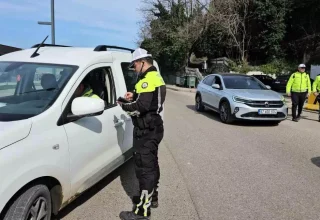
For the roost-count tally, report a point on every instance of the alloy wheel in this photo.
(38, 210)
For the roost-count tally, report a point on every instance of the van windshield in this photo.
(28, 89)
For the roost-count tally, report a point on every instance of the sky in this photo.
(84, 23)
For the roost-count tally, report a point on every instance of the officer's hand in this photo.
(289, 94)
(129, 96)
(315, 93)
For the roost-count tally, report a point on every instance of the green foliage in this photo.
(274, 35)
(278, 67)
(270, 26)
(241, 67)
(166, 45)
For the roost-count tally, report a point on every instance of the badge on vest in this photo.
(144, 85)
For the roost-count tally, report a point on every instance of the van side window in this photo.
(130, 77)
(102, 83)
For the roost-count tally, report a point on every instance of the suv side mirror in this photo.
(86, 106)
(268, 87)
(216, 86)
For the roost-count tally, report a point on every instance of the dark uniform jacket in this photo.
(148, 98)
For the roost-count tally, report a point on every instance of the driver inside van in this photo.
(85, 90)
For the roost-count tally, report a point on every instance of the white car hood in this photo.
(13, 131)
(255, 94)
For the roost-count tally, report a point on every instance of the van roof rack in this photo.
(105, 48)
(48, 45)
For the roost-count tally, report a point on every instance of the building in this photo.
(4, 49)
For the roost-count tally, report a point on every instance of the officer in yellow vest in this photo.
(145, 107)
(84, 90)
(298, 87)
(316, 90)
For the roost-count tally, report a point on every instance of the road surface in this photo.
(210, 170)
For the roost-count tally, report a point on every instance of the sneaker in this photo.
(154, 204)
(295, 120)
(127, 215)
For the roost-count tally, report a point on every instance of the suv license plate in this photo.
(267, 112)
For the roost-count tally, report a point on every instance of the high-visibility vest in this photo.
(299, 82)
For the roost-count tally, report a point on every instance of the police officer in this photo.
(316, 90)
(298, 87)
(146, 104)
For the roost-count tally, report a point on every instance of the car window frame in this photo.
(207, 78)
(221, 81)
(63, 119)
(125, 68)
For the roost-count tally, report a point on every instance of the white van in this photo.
(53, 145)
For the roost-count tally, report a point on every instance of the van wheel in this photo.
(33, 203)
(199, 104)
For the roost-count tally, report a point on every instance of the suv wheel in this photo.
(225, 113)
(34, 203)
(199, 104)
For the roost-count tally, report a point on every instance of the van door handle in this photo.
(119, 123)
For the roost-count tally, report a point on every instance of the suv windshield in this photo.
(242, 82)
(28, 89)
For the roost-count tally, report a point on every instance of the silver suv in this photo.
(237, 96)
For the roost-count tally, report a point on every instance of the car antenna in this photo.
(35, 52)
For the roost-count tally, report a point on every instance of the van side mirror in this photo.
(85, 106)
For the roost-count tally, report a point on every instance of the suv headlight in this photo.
(238, 99)
(283, 99)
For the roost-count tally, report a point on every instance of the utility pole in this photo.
(52, 23)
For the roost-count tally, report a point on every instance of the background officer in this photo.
(147, 103)
(316, 90)
(298, 87)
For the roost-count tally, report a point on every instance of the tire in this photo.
(199, 105)
(33, 202)
(225, 113)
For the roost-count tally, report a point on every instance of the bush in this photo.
(278, 67)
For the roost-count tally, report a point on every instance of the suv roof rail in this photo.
(48, 45)
(105, 48)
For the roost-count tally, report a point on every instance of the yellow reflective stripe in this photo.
(90, 94)
(94, 96)
(145, 207)
(151, 81)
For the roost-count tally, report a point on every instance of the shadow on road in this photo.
(128, 180)
(215, 116)
(289, 118)
(316, 161)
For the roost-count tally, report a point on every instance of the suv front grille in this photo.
(265, 104)
(256, 115)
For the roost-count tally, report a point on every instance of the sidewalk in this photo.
(181, 89)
